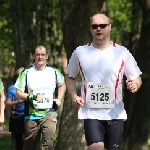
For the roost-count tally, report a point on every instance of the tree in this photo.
(76, 31)
(6, 58)
(138, 125)
(22, 35)
(23, 26)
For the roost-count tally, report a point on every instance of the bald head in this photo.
(101, 18)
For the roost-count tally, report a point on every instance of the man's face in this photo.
(100, 27)
(40, 56)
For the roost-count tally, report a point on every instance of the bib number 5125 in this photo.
(100, 97)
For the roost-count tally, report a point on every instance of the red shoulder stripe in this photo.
(89, 44)
(114, 44)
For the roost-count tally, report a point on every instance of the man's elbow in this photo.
(18, 94)
(139, 82)
(63, 86)
(67, 77)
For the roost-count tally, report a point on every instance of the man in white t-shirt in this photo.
(102, 65)
(36, 86)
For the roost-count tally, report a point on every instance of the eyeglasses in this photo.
(102, 26)
(38, 55)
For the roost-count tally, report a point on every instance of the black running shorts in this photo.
(107, 131)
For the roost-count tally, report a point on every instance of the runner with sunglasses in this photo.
(102, 65)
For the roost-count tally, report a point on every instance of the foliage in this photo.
(120, 13)
(6, 47)
(23, 26)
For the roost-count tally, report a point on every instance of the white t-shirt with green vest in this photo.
(40, 82)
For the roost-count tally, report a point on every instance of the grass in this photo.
(5, 142)
(5, 139)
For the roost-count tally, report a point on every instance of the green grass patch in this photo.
(5, 142)
(6, 124)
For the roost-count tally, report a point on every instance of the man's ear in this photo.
(33, 56)
(91, 30)
(110, 27)
(47, 56)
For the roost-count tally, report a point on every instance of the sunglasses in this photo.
(102, 26)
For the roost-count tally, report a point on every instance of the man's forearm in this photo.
(2, 105)
(21, 95)
(61, 91)
(71, 86)
(138, 81)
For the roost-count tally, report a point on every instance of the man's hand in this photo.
(1, 123)
(132, 86)
(19, 101)
(57, 101)
(40, 96)
(78, 102)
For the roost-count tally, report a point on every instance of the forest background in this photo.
(63, 25)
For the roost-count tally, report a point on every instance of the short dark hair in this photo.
(38, 47)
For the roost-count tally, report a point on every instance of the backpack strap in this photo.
(27, 103)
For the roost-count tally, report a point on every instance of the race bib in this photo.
(46, 103)
(99, 95)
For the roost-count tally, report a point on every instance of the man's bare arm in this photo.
(61, 93)
(24, 96)
(134, 85)
(71, 88)
(2, 105)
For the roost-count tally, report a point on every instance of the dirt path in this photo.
(4, 132)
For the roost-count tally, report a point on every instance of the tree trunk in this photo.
(76, 31)
(22, 35)
(139, 120)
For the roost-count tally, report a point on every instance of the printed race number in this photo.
(45, 100)
(46, 103)
(101, 97)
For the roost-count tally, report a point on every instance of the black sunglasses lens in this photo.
(94, 26)
(102, 26)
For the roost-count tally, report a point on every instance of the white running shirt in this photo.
(103, 66)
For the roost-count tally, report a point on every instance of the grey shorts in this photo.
(107, 131)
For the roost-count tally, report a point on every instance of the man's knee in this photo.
(96, 146)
